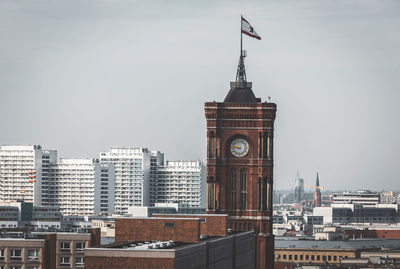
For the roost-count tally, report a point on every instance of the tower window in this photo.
(233, 188)
(243, 188)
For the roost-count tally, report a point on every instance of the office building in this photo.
(363, 197)
(299, 189)
(132, 176)
(358, 213)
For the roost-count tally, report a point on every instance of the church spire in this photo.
(317, 182)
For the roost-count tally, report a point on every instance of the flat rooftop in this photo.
(356, 244)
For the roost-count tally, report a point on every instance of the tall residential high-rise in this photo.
(132, 176)
(299, 189)
(23, 170)
(317, 193)
(82, 187)
(240, 134)
(181, 182)
(156, 160)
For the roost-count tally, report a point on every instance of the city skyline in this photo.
(81, 78)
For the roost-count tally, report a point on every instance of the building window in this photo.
(259, 194)
(33, 267)
(80, 246)
(290, 257)
(329, 258)
(65, 246)
(1, 255)
(307, 257)
(169, 224)
(233, 188)
(79, 262)
(265, 145)
(335, 258)
(15, 267)
(243, 179)
(33, 254)
(312, 257)
(301, 257)
(318, 258)
(243, 187)
(15, 254)
(64, 261)
(295, 257)
(284, 256)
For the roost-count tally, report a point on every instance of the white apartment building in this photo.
(23, 170)
(182, 182)
(132, 176)
(82, 187)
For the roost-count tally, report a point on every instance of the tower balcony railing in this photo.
(241, 84)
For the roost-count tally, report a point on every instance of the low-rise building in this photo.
(174, 241)
(358, 213)
(313, 252)
(22, 253)
(44, 250)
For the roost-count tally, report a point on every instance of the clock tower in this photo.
(240, 135)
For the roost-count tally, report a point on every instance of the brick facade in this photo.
(127, 262)
(210, 225)
(164, 229)
(384, 234)
(242, 186)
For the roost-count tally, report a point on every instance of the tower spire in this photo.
(317, 181)
(241, 71)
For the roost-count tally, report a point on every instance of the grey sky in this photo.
(82, 76)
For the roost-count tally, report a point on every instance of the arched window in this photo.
(243, 188)
(210, 147)
(265, 145)
(264, 191)
(243, 179)
(233, 188)
(259, 194)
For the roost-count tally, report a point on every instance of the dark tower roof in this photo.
(317, 182)
(240, 91)
(242, 94)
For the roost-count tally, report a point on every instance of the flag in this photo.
(249, 30)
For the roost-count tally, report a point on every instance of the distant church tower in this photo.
(240, 135)
(317, 193)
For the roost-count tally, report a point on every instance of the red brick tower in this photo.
(317, 194)
(240, 133)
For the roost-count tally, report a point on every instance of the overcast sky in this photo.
(82, 76)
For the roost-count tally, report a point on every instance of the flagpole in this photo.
(241, 36)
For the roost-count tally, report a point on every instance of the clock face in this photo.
(239, 147)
